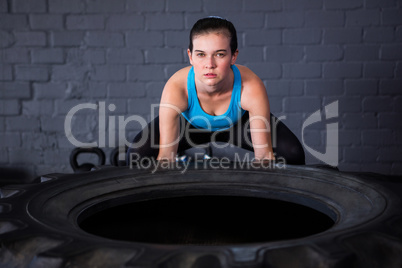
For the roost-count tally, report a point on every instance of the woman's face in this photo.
(211, 58)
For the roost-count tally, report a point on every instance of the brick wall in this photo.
(56, 54)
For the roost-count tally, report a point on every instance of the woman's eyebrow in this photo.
(219, 50)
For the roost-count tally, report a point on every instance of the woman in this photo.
(214, 100)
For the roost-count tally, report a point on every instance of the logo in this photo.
(330, 156)
(107, 128)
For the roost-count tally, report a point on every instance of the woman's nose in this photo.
(210, 63)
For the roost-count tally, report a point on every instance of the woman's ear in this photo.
(190, 56)
(234, 57)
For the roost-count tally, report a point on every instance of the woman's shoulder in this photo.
(249, 79)
(246, 73)
(175, 90)
(179, 79)
(252, 87)
(181, 75)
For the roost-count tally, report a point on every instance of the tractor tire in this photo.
(67, 220)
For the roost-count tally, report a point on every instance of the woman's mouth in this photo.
(210, 75)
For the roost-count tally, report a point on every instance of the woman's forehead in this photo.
(212, 37)
(218, 32)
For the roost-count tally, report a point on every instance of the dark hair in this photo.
(213, 23)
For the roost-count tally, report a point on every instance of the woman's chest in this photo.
(215, 105)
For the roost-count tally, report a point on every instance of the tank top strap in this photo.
(191, 90)
(236, 86)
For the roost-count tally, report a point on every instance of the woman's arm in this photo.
(173, 103)
(254, 99)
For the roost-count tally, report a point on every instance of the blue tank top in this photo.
(197, 117)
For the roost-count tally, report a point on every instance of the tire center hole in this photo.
(205, 220)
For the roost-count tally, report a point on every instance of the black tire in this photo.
(40, 223)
